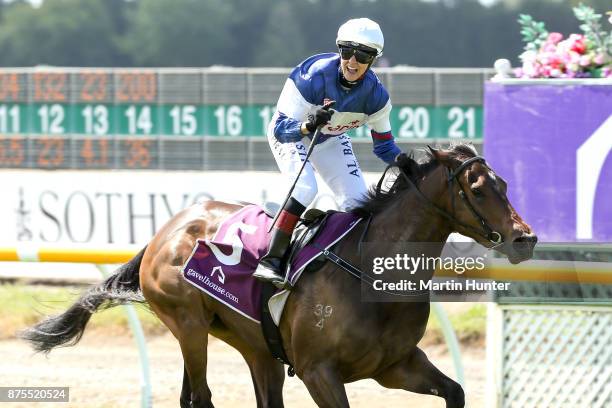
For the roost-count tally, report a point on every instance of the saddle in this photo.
(309, 225)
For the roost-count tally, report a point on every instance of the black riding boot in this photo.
(269, 268)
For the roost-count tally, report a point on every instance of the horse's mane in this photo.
(378, 199)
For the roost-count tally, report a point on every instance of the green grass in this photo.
(468, 322)
(23, 305)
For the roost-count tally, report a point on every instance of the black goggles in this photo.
(362, 57)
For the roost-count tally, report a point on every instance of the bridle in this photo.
(489, 233)
(493, 236)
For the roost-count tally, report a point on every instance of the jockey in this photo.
(304, 104)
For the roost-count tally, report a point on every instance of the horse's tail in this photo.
(66, 329)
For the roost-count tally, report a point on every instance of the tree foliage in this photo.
(59, 32)
(264, 32)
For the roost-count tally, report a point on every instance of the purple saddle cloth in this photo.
(222, 267)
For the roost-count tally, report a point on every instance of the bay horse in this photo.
(359, 340)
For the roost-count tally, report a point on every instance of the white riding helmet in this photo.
(362, 31)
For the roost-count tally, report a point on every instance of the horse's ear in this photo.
(440, 155)
(435, 153)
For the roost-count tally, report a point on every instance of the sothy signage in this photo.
(553, 144)
(119, 208)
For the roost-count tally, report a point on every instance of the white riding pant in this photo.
(335, 162)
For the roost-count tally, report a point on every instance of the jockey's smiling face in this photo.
(355, 60)
(351, 69)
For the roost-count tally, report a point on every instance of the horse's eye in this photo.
(477, 192)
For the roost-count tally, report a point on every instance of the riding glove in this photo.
(320, 117)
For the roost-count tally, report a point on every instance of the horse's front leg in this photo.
(325, 386)
(417, 374)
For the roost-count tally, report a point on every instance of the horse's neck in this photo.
(409, 219)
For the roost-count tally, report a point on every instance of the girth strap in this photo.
(271, 331)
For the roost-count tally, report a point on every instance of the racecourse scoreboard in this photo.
(164, 118)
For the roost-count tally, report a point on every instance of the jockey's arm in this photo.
(291, 114)
(287, 129)
(384, 144)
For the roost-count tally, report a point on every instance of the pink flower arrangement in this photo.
(549, 55)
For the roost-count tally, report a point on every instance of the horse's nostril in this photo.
(525, 242)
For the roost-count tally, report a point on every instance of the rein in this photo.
(356, 272)
(489, 234)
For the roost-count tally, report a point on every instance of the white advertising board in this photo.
(121, 208)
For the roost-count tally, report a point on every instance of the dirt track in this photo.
(105, 372)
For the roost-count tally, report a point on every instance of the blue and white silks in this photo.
(315, 81)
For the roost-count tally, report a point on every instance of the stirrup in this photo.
(266, 274)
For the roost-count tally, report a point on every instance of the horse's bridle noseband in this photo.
(493, 236)
(489, 234)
